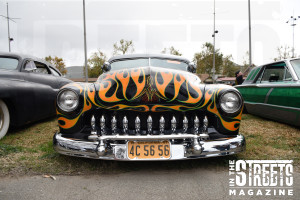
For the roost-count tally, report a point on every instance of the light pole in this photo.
(292, 20)
(8, 31)
(250, 48)
(85, 53)
(214, 49)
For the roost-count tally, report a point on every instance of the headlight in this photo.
(67, 100)
(230, 102)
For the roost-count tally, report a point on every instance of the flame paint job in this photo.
(149, 89)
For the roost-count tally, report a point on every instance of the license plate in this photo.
(148, 150)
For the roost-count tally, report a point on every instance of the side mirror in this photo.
(106, 66)
(192, 67)
(30, 66)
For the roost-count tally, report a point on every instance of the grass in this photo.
(28, 150)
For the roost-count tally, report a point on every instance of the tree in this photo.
(123, 47)
(171, 50)
(95, 62)
(59, 63)
(204, 60)
(229, 67)
(284, 52)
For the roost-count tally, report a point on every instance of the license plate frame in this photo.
(157, 152)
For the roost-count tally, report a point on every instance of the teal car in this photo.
(273, 91)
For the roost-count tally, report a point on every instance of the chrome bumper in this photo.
(115, 151)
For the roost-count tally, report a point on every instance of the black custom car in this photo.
(148, 107)
(28, 88)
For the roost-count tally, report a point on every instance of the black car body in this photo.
(148, 107)
(28, 88)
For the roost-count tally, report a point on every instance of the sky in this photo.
(56, 27)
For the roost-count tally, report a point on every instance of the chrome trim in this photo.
(137, 125)
(93, 125)
(125, 125)
(58, 102)
(196, 125)
(114, 124)
(102, 124)
(162, 125)
(238, 94)
(205, 125)
(185, 125)
(144, 137)
(268, 94)
(275, 85)
(272, 105)
(149, 124)
(115, 151)
(173, 124)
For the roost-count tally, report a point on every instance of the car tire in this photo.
(4, 119)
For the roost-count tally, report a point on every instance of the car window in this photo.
(41, 68)
(169, 63)
(54, 72)
(8, 63)
(142, 62)
(275, 73)
(287, 76)
(129, 63)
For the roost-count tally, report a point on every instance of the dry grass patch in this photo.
(271, 140)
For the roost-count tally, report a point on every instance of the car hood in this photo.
(145, 86)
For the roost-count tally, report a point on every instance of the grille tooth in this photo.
(125, 125)
(196, 125)
(102, 124)
(185, 124)
(149, 124)
(137, 123)
(161, 125)
(114, 124)
(173, 124)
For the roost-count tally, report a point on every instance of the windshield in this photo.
(8, 63)
(143, 62)
(296, 65)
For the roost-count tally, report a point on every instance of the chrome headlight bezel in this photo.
(65, 107)
(233, 111)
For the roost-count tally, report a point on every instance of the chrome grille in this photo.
(148, 123)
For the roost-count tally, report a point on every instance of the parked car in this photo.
(28, 88)
(148, 107)
(273, 91)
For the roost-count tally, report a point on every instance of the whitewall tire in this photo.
(4, 119)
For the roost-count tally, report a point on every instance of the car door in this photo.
(45, 87)
(273, 88)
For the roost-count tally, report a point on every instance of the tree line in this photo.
(224, 64)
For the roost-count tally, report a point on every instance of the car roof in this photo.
(132, 56)
(278, 61)
(24, 56)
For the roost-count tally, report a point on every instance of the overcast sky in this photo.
(56, 27)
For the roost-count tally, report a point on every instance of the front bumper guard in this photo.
(97, 149)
